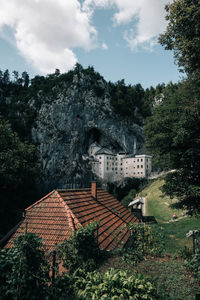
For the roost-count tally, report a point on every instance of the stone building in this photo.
(111, 166)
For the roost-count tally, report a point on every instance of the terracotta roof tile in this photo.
(56, 216)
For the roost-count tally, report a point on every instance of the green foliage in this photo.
(172, 132)
(112, 285)
(26, 271)
(63, 288)
(170, 278)
(127, 199)
(18, 175)
(81, 250)
(173, 137)
(144, 240)
(183, 33)
(193, 264)
(120, 191)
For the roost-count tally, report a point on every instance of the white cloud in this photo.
(104, 46)
(146, 18)
(47, 31)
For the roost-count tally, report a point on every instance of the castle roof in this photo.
(104, 151)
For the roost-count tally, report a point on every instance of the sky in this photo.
(117, 37)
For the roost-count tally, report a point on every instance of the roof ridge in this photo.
(72, 215)
(40, 200)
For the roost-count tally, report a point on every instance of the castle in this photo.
(112, 167)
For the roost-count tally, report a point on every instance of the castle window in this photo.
(138, 166)
(141, 172)
(113, 169)
(141, 166)
(138, 159)
(121, 169)
(141, 159)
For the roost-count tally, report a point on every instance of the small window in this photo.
(138, 159)
(141, 159)
(138, 166)
(141, 166)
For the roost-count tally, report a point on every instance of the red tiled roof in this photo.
(56, 216)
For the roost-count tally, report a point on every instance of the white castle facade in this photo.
(114, 167)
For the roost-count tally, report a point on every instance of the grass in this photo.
(158, 205)
(175, 234)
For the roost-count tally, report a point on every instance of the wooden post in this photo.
(53, 267)
(193, 237)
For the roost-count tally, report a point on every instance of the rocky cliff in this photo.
(71, 117)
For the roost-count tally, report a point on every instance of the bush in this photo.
(127, 199)
(144, 240)
(113, 285)
(81, 250)
(193, 264)
(24, 269)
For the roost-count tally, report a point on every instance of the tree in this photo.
(18, 174)
(172, 132)
(173, 137)
(183, 33)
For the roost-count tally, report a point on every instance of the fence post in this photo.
(53, 267)
(193, 237)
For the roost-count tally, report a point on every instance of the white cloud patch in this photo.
(146, 18)
(104, 46)
(47, 31)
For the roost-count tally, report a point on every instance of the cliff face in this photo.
(72, 117)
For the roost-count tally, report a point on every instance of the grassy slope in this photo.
(158, 206)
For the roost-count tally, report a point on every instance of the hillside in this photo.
(158, 205)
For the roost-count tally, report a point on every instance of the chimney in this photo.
(94, 189)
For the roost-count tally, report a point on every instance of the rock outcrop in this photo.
(72, 117)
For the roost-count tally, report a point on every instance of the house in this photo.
(60, 213)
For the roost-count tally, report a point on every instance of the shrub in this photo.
(143, 240)
(193, 264)
(26, 272)
(81, 250)
(113, 285)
